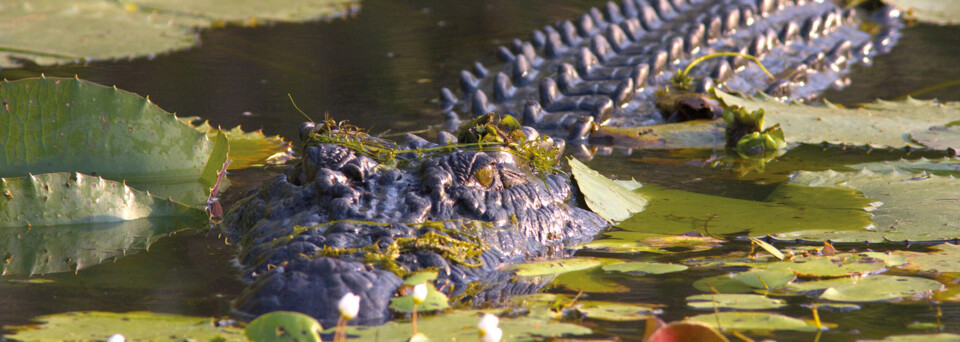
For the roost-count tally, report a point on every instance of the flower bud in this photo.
(493, 335)
(488, 323)
(419, 293)
(349, 305)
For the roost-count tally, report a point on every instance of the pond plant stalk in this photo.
(419, 295)
(349, 306)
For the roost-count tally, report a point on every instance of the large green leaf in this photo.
(679, 212)
(134, 326)
(916, 206)
(605, 197)
(752, 321)
(73, 198)
(879, 124)
(284, 326)
(943, 12)
(734, 301)
(462, 326)
(59, 31)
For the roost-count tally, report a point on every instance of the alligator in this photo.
(357, 213)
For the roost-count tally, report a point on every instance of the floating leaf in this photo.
(462, 326)
(54, 32)
(686, 331)
(945, 259)
(765, 279)
(840, 265)
(734, 301)
(246, 148)
(722, 283)
(879, 124)
(931, 11)
(604, 196)
(547, 267)
(682, 135)
(72, 198)
(757, 321)
(881, 288)
(435, 300)
(420, 278)
(69, 248)
(768, 247)
(641, 268)
(941, 337)
(678, 212)
(592, 280)
(134, 326)
(611, 311)
(280, 326)
(70, 125)
(916, 206)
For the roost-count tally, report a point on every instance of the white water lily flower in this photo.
(493, 335)
(419, 293)
(488, 323)
(117, 338)
(349, 306)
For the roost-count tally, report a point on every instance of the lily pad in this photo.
(945, 259)
(462, 326)
(724, 283)
(61, 31)
(678, 212)
(247, 148)
(941, 337)
(605, 197)
(752, 321)
(282, 326)
(134, 326)
(881, 288)
(916, 206)
(765, 279)
(641, 268)
(611, 311)
(841, 265)
(420, 278)
(734, 301)
(548, 267)
(592, 280)
(879, 124)
(70, 125)
(435, 300)
(931, 11)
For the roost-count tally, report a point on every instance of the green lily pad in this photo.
(678, 212)
(916, 206)
(70, 248)
(548, 267)
(931, 11)
(621, 246)
(941, 337)
(765, 279)
(70, 125)
(61, 31)
(246, 148)
(420, 278)
(611, 311)
(945, 259)
(881, 288)
(723, 283)
(879, 124)
(134, 326)
(605, 197)
(734, 301)
(842, 265)
(282, 326)
(592, 280)
(752, 321)
(435, 300)
(641, 268)
(462, 326)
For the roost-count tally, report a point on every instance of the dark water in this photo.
(382, 69)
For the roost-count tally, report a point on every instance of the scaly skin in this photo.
(605, 68)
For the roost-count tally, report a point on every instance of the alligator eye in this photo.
(484, 175)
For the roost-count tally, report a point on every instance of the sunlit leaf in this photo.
(612, 311)
(678, 212)
(931, 11)
(941, 337)
(246, 148)
(592, 280)
(768, 247)
(944, 259)
(879, 124)
(134, 326)
(281, 326)
(916, 206)
(841, 265)
(734, 301)
(752, 321)
(462, 326)
(722, 283)
(435, 300)
(604, 196)
(765, 279)
(559, 266)
(641, 268)
(881, 288)
(420, 278)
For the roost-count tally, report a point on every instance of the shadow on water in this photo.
(382, 69)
